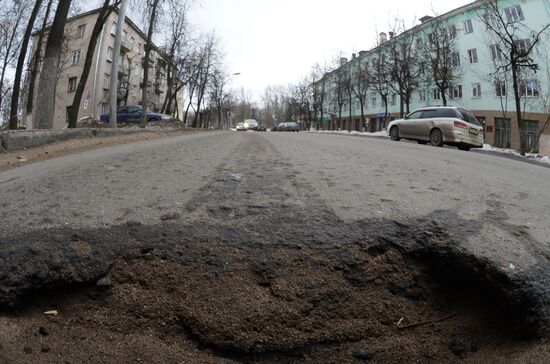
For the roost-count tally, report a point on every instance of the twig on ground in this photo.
(420, 323)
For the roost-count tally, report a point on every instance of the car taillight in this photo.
(461, 124)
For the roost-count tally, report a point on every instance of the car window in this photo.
(415, 115)
(447, 113)
(133, 110)
(428, 114)
(469, 118)
(122, 110)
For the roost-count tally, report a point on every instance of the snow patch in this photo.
(533, 156)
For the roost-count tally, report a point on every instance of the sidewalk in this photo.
(538, 159)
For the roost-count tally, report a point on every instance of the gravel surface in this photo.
(270, 247)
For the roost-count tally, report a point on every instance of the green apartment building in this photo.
(473, 66)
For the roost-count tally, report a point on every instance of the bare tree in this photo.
(20, 64)
(37, 59)
(515, 47)
(207, 58)
(340, 88)
(12, 14)
(361, 84)
(443, 59)
(104, 12)
(152, 8)
(48, 75)
(217, 91)
(380, 79)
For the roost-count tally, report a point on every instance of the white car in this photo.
(250, 124)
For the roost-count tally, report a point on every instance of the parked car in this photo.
(240, 127)
(132, 114)
(261, 128)
(292, 126)
(274, 127)
(439, 125)
(251, 124)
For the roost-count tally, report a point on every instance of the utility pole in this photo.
(113, 87)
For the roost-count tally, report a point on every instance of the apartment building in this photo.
(474, 59)
(95, 100)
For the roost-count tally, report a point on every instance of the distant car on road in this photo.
(292, 126)
(274, 127)
(251, 124)
(439, 125)
(132, 114)
(240, 127)
(261, 128)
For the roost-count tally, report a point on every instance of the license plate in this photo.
(474, 131)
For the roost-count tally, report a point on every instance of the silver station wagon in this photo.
(439, 125)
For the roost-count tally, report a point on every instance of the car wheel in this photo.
(436, 138)
(423, 142)
(394, 134)
(464, 147)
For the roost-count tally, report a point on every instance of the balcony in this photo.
(126, 46)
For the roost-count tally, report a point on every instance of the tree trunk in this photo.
(443, 96)
(45, 106)
(104, 13)
(36, 60)
(144, 98)
(20, 65)
(517, 99)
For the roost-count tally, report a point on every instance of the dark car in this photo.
(274, 127)
(292, 126)
(132, 114)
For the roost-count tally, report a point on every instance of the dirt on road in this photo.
(256, 268)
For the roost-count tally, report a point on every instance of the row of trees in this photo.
(194, 60)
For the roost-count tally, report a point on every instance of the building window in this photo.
(514, 14)
(418, 43)
(496, 52)
(80, 30)
(72, 84)
(436, 94)
(393, 99)
(523, 46)
(503, 133)
(457, 92)
(450, 32)
(490, 20)
(530, 133)
(472, 55)
(500, 88)
(113, 28)
(476, 90)
(104, 108)
(529, 88)
(76, 56)
(374, 102)
(468, 27)
(422, 95)
(454, 60)
(106, 81)
(110, 54)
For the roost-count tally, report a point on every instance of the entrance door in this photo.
(530, 133)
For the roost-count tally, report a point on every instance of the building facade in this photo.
(95, 100)
(477, 84)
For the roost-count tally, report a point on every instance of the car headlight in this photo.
(246, 125)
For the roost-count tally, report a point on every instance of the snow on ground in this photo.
(382, 133)
(534, 156)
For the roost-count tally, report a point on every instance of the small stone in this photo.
(458, 349)
(27, 350)
(51, 313)
(104, 282)
(43, 331)
(170, 216)
(364, 355)
(45, 349)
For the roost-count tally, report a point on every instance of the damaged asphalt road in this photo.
(314, 252)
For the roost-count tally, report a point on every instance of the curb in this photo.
(11, 141)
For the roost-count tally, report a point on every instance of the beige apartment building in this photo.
(95, 100)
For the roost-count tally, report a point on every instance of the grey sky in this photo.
(277, 41)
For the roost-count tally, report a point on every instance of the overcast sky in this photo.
(277, 41)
